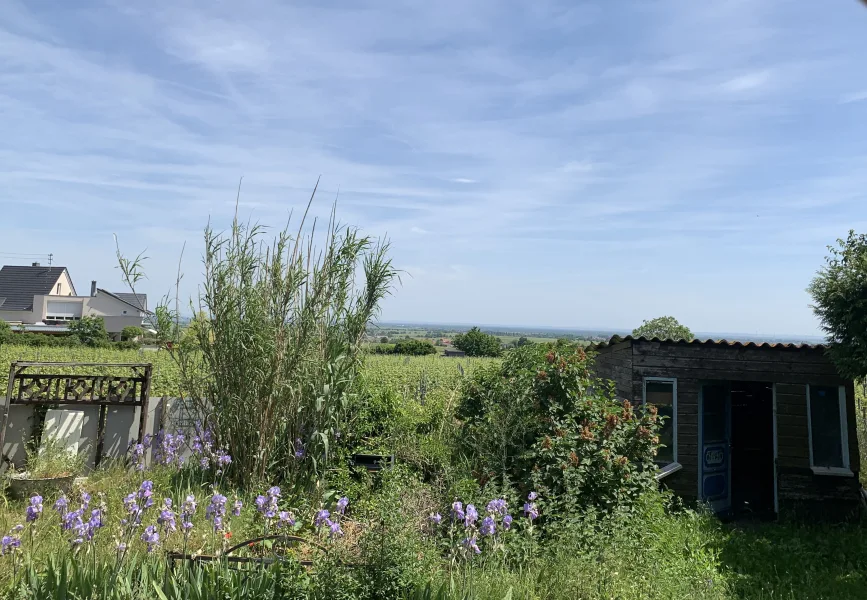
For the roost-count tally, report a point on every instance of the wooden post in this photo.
(5, 417)
(145, 397)
(100, 435)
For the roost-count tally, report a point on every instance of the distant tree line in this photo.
(407, 348)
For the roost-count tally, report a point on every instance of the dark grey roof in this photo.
(131, 300)
(697, 342)
(19, 284)
(138, 300)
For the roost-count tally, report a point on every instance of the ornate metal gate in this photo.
(39, 388)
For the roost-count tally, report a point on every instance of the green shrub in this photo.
(5, 332)
(131, 333)
(414, 348)
(541, 421)
(91, 331)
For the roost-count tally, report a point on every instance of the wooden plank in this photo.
(731, 353)
(774, 369)
(796, 422)
(785, 389)
(758, 376)
(793, 461)
(792, 410)
(800, 452)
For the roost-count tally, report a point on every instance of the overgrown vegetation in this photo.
(541, 421)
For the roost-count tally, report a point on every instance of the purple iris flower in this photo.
(497, 507)
(216, 510)
(334, 526)
(286, 519)
(507, 522)
(342, 504)
(436, 518)
(472, 515)
(188, 509)
(471, 543)
(489, 527)
(34, 509)
(322, 517)
(151, 537)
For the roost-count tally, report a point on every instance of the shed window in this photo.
(662, 393)
(829, 441)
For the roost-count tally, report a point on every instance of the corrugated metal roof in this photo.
(18, 284)
(710, 342)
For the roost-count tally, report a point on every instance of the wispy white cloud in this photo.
(540, 141)
(854, 97)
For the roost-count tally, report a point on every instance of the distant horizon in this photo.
(584, 329)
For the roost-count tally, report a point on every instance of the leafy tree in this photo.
(131, 333)
(414, 348)
(90, 330)
(383, 340)
(839, 292)
(664, 328)
(5, 332)
(476, 343)
(522, 341)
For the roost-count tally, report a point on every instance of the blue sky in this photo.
(534, 163)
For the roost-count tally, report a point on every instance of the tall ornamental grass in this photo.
(277, 342)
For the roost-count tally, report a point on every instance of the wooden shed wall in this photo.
(791, 369)
(615, 363)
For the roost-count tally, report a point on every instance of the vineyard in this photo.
(410, 377)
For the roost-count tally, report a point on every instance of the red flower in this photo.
(228, 535)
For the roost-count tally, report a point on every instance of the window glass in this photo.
(661, 395)
(825, 426)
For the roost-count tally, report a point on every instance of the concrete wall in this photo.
(121, 429)
(17, 316)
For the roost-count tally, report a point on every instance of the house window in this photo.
(829, 439)
(662, 393)
(58, 289)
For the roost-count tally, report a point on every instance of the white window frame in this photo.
(845, 470)
(673, 382)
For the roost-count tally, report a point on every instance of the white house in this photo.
(44, 299)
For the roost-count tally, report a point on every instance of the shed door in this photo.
(715, 446)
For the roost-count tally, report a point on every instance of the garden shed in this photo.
(750, 428)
